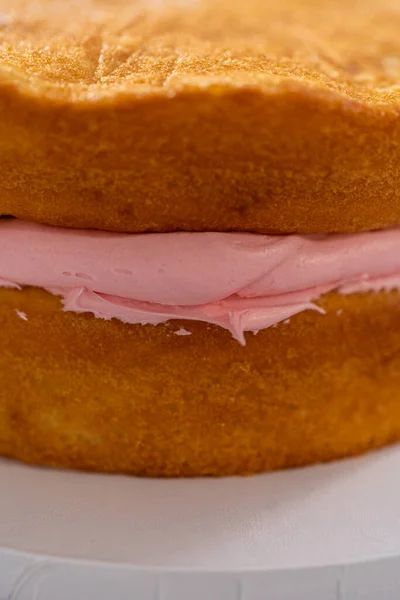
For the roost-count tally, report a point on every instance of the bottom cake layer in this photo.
(85, 393)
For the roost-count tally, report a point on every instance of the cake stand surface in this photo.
(330, 532)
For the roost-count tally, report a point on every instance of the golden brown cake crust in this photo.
(91, 394)
(201, 115)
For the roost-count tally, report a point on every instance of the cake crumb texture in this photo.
(85, 393)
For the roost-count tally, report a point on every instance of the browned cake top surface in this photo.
(164, 115)
(85, 49)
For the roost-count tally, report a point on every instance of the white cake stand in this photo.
(330, 532)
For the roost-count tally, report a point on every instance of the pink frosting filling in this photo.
(243, 282)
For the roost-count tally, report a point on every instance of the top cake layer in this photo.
(201, 114)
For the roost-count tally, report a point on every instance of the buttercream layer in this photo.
(243, 282)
